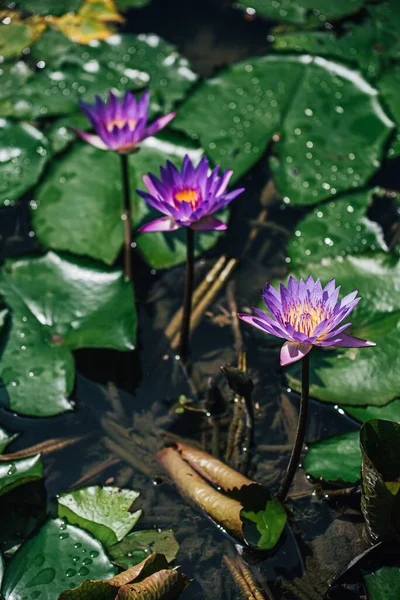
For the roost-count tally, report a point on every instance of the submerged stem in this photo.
(187, 302)
(301, 430)
(127, 217)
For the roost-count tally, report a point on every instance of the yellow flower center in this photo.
(304, 318)
(120, 123)
(188, 195)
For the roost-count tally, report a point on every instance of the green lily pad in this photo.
(60, 134)
(49, 7)
(136, 546)
(2, 568)
(383, 583)
(14, 37)
(386, 19)
(13, 77)
(335, 459)
(354, 376)
(6, 438)
(338, 228)
(126, 4)
(60, 556)
(380, 500)
(18, 472)
(237, 113)
(389, 87)
(63, 222)
(300, 12)
(23, 155)
(69, 72)
(390, 412)
(269, 523)
(103, 511)
(57, 305)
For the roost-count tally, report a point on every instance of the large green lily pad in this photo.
(390, 412)
(18, 472)
(57, 305)
(59, 557)
(380, 500)
(136, 546)
(103, 511)
(338, 228)
(49, 7)
(383, 583)
(69, 72)
(14, 37)
(335, 459)
(23, 155)
(78, 210)
(389, 86)
(6, 438)
(236, 114)
(360, 376)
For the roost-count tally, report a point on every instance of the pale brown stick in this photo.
(46, 447)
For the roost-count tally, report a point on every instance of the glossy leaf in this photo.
(269, 519)
(299, 12)
(6, 438)
(59, 556)
(23, 155)
(338, 228)
(335, 459)
(126, 4)
(2, 568)
(13, 77)
(380, 500)
(94, 20)
(14, 36)
(18, 472)
(63, 221)
(103, 511)
(389, 87)
(49, 7)
(354, 376)
(236, 114)
(136, 546)
(71, 71)
(58, 304)
(390, 412)
(383, 583)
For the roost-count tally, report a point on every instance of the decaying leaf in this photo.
(163, 585)
(91, 22)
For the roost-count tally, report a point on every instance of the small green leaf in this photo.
(23, 155)
(383, 583)
(269, 522)
(18, 472)
(14, 37)
(380, 500)
(5, 439)
(390, 412)
(104, 511)
(300, 12)
(49, 7)
(335, 459)
(126, 4)
(137, 545)
(59, 556)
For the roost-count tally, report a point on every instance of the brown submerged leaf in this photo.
(163, 585)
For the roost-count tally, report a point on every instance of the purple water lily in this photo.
(188, 198)
(121, 124)
(306, 315)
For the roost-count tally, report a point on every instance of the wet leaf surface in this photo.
(14, 36)
(335, 459)
(389, 87)
(136, 546)
(380, 500)
(383, 584)
(57, 305)
(103, 511)
(390, 412)
(23, 155)
(58, 557)
(49, 7)
(6, 438)
(18, 472)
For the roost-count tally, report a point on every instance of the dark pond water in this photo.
(125, 430)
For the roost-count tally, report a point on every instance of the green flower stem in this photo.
(301, 430)
(127, 218)
(187, 302)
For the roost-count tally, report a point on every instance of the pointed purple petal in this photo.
(258, 323)
(348, 341)
(161, 224)
(293, 351)
(209, 223)
(92, 139)
(159, 124)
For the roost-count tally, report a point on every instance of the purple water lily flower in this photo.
(188, 198)
(306, 315)
(121, 124)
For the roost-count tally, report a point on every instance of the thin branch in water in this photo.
(46, 447)
(95, 472)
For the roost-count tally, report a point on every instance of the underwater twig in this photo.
(187, 301)
(127, 216)
(128, 456)
(233, 310)
(115, 401)
(46, 447)
(301, 430)
(244, 580)
(98, 469)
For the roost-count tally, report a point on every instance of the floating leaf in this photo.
(126, 4)
(58, 304)
(63, 222)
(13, 77)
(59, 556)
(390, 412)
(335, 459)
(236, 114)
(163, 585)
(6, 438)
(23, 155)
(92, 21)
(299, 12)
(18, 472)
(354, 376)
(17, 34)
(69, 72)
(103, 511)
(389, 86)
(383, 583)
(49, 7)
(268, 515)
(136, 546)
(338, 228)
(380, 500)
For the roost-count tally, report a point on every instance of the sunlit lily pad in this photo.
(69, 71)
(389, 86)
(337, 228)
(360, 376)
(15, 35)
(236, 114)
(58, 304)
(18, 472)
(24, 151)
(58, 557)
(137, 545)
(335, 459)
(299, 12)
(63, 222)
(103, 511)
